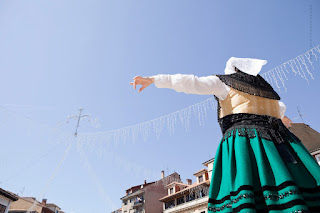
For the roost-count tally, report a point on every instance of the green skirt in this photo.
(254, 173)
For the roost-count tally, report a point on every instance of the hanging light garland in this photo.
(276, 77)
(298, 66)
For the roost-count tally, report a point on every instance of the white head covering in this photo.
(251, 66)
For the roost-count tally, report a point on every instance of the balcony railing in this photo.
(138, 202)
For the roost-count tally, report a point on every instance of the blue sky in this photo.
(57, 56)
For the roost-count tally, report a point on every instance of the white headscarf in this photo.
(251, 66)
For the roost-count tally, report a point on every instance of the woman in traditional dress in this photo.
(260, 166)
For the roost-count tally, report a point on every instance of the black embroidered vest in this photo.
(254, 85)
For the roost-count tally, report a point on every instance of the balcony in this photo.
(138, 203)
(203, 201)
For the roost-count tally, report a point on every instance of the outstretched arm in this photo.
(187, 83)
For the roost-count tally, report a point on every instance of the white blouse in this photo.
(191, 84)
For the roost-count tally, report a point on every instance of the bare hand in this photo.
(286, 121)
(143, 81)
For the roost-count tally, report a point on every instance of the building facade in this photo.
(6, 198)
(188, 198)
(53, 207)
(144, 198)
(25, 204)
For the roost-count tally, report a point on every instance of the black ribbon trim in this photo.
(274, 207)
(265, 188)
(279, 187)
(234, 193)
(310, 190)
(288, 205)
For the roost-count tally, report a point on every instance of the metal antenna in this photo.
(300, 115)
(21, 191)
(78, 117)
(305, 125)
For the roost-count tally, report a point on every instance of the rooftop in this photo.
(52, 204)
(308, 136)
(207, 162)
(177, 183)
(201, 171)
(137, 189)
(9, 195)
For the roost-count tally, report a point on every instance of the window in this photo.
(139, 200)
(2, 208)
(200, 178)
(190, 197)
(169, 204)
(125, 202)
(204, 193)
(171, 190)
(180, 200)
(201, 193)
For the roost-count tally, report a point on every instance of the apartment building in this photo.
(144, 198)
(187, 198)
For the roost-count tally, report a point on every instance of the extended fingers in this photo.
(136, 81)
(134, 85)
(142, 88)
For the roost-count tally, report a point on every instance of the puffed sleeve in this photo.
(282, 109)
(191, 84)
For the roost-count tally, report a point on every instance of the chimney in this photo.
(44, 202)
(162, 174)
(189, 181)
(145, 181)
